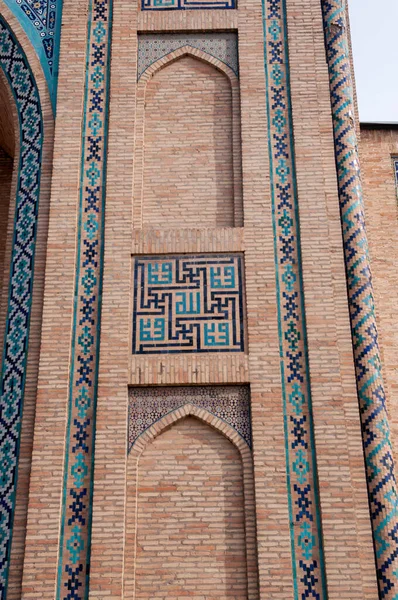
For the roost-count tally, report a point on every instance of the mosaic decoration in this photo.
(229, 403)
(74, 558)
(306, 536)
(16, 69)
(152, 47)
(41, 20)
(188, 304)
(382, 485)
(186, 4)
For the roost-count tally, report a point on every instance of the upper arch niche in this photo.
(190, 153)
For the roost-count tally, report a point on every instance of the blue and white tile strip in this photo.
(15, 67)
(74, 557)
(41, 20)
(382, 485)
(305, 524)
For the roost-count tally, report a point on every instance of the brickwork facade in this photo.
(189, 425)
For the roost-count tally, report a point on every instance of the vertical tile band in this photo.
(74, 555)
(382, 486)
(15, 67)
(305, 524)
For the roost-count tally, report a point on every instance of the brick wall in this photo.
(378, 145)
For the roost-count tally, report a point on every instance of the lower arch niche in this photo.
(186, 513)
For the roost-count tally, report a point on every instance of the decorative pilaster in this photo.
(74, 559)
(305, 524)
(15, 67)
(382, 486)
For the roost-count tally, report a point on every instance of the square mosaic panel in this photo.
(185, 4)
(188, 303)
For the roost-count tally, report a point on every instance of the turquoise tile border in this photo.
(41, 20)
(15, 67)
(75, 534)
(381, 478)
(309, 578)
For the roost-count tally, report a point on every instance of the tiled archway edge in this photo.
(41, 21)
(16, 68)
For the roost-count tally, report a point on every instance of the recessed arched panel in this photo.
(188, 160)
(190, 498)
(191, 508)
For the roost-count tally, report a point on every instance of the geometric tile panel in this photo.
(309, 576)
(15, 67)
(229, 403)
(188, 303)
(152, 47)
(186, 4)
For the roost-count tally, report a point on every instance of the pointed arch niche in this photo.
(187, 170)
(190, 521)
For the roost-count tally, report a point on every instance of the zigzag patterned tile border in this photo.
(15, 347)
(382, 485)
(41, 20)
(74, 559)
(306, 536)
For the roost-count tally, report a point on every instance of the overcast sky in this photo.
(374, 30)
